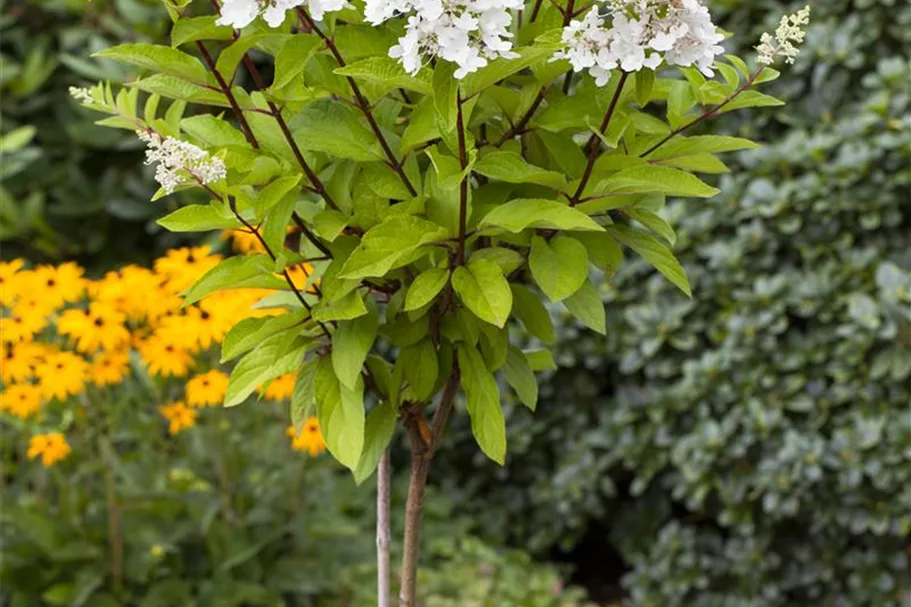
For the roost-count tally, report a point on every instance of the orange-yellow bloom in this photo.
(310, 438)
(100, 327)
(182, 267)
(50, 447)
(20, 400)
(62, 374)
(18, 360)
(179, 416)
(109, 368)
(280, 388)
(57, 285)
(207, 389)
(10, 280)
(165, 358)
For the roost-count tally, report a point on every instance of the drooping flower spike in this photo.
(180, 162)
(790, 31)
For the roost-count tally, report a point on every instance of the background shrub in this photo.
(749, 446)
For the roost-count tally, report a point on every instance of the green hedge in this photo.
(71, 189)
(751, 446)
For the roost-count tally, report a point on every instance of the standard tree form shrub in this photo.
(749, 446)
(446, 168)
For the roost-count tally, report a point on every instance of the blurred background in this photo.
(749, 447)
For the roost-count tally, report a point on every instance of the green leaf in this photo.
(422, 126)
(559, 267)
(512, 168)
(586, 305)
(655, 180)
(445, 96)
(509, 260)
(389, 73)
(645, 82)
(748, 99)
(425, 288)
(502, 68)
(292, 58)
(603, 251)
(653, 222)
(494, 343)
(303, 396)
(540, 360)
(275, 356)
(329, 223)
(377, 436)
(198, 218)
(521, 378)
(191, 29)
(17, 139)
(341, 415)
(173, 87)
(348, 307)
(484, 290)
(272, 194)
(234, 53)
(390, 245)
(351, 342)
(242, 271)
(212, 131)
(653, 252)
(531, 311)
(275, 224)
(483, 399)
(420, 367)
(160, 59)
(703, 144)
(250, 332)
(336, 129)
(517, 215)
(565, 152)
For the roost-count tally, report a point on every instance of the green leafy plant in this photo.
(437, 202)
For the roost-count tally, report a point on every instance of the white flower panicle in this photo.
(468, 33)
(790, 30)
(637, 34)
(241, 13)
(81, 94)
(179, 162)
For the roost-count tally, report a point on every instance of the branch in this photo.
(519, 127)
(383, 474)
(594, 141)
(707, 114)
(360, 100)
(226, 89)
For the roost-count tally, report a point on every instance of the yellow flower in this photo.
(10, 280)
(300, 274)
(23, 323)
(310, 438)
(100, 327)
(182, 267)
(20, 400)
(17, 360)
(280, 388)
(135, 291)
(58, 285)
(61, 374)
(243, 241)
(51, 447)
(182, 328)
(179, 416)
(207, 389)
(109, 368)
(165, 358)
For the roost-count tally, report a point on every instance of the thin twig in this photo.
(594, 141)
(463, 185)
(519, 127)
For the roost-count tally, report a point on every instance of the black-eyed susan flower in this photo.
(309, 439)
(109, 368)
(24, 322)
(11, 280)
(165, 358)
(179, 416)
(99, 327)
(182, 267)
(243, 241)
(207, 389)
(51, 447)
(61, 374)
(280, 388)
(20, 400)
(57, 285)
(17, 360)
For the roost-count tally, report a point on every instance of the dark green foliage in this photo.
(71, 189)
(749, 446)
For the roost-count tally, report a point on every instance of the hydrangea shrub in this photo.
(444, 173)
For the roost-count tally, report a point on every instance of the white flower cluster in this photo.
(468, 33)
(790, 30)
(241, 13)
(640, 34)
(180, 162)
(81, 94)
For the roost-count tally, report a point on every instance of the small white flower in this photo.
(81, 94)
(790, 31)
(640, 35)
(241, 13)
(238, 13)
(180, 162)
(468, 33)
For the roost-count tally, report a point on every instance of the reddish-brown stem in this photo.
(593, 144)
(711, 113)
(519, 127)
(359, 99)
(463, 185)
(226, 90)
